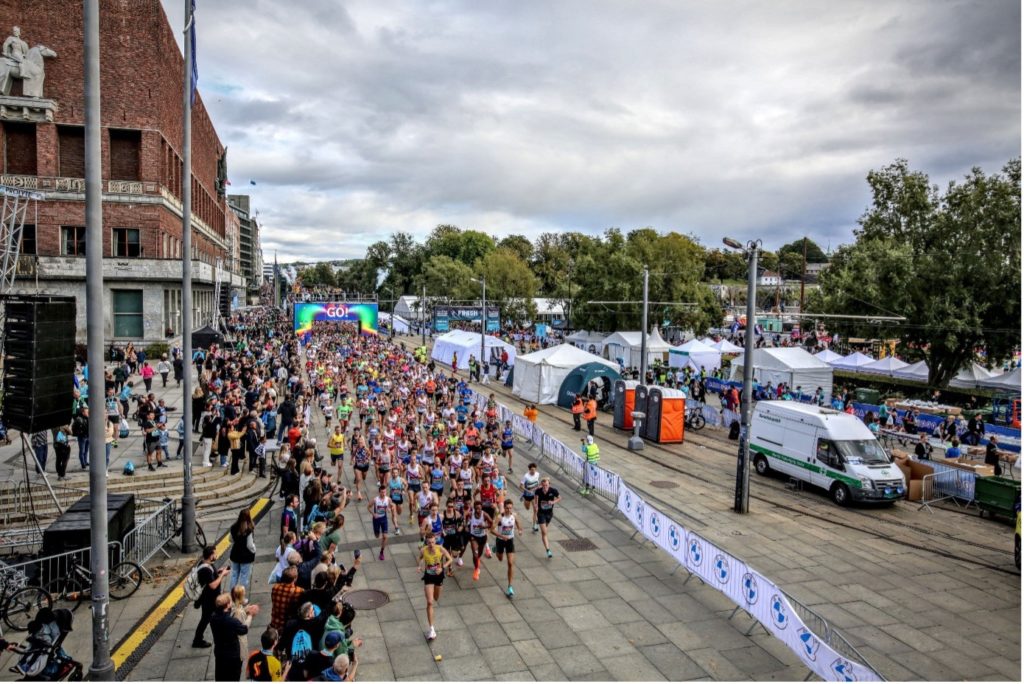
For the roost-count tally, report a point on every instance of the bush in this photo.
(157, 349)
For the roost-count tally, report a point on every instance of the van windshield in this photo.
(862, 452)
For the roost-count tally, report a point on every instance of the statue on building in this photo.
(19, 61)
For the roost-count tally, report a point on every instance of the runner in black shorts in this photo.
(433, 562)
(452, 528)
(547, 497)
(505, 529)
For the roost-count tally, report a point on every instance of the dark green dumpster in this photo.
(997, 495)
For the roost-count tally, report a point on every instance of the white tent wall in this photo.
(791, 365)
(465, 344)
(539, 376)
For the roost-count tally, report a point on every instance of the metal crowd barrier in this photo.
(39, 572)
(149, 536)
(947, 484)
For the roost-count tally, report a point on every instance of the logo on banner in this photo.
(809, 642)
(749, 589)
(629, 502)
(655, 523)
(721, 568)
(694, 552)
(780, 615)
(640, 515)
(675, 538)
(339, 311)
(843, 670)
(609, 478)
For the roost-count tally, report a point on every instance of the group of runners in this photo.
(424, 455)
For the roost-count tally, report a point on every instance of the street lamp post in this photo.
(742, 499)
(391, 333)
(423, 317)
(643, 331)
(483, 315)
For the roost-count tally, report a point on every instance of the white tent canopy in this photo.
(401, 325)
(465, 344)
(727, 347)
(1006, 381)
(696, 355)
(626, 346)
(584, 339)
(791, 365)
(884, 366)
(827, 355)
(917, 371)
(852, 362)
(970, 377)
(539, 375)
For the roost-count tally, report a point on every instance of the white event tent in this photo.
(883, 366)
(727, 347)
(828, 356)
(626, 346)
(695, 354)
(917, 371)
(1007, 381)
(584, 339)
(791, 365)
(539, 375)
(401, 325)
(852, 362)
(970, 377)
(464, 344)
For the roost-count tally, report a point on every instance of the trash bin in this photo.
(997, 495)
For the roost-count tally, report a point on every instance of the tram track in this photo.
(872, 523)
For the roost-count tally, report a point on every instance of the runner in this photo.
(547, 497)
(479, 523)
(360, 466)
(452, 527)
(433, 561)
(432, 524)
(379, 508)
(413, 480)
(507, 443)
(529, 484)
(396, 491)
(336, 447)
(505, 529)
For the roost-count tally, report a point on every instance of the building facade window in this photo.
(71, 151)
(19, 148)
(127, 242)
(127, 313)
(72, 240)
(28, 240)
(125, 153)
(172, 312)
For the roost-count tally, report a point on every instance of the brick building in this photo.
(42, 146)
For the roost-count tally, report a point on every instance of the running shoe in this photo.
(476, 574)
(381, 556)
(432, 634)
(510, 592)
(458, 562)
(398, 530)
(550, 554)
(509, 471)
(487, 550)
(536, 527)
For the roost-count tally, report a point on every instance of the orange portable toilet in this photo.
(624, 395)
(666, 415)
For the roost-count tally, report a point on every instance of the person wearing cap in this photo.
(593, 454)
(341, 671)
(323, 659)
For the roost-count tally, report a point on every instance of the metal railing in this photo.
(151, 534)
(40, 572)
(950, 484)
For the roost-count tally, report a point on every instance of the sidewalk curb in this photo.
(130, 650)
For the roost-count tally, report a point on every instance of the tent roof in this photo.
(655, 343)
(784, 358)
(854, 360)
(828, 356)
(585, 336)
(694, 346)
(466, 338)
(564, 356)
(885, 365)
(915, 371)
(385, 316)
(1009, 381)
(973, 372)
(727, 347)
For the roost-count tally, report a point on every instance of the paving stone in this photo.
(548, 672)
(454, 643)
(518, 630)
(376, 672)
(187, 669)
(599, 676)
(672, 662)
(595, 589)
(490, 634)
(576, 661)
(403, 633)
(522, 676)
(503, 659)
(633, 667)
(464, 669)
(475, 615)
(561, 596)
(583, 616)
(533, 652)
(716, 665)
(617, 611)
(753, 660)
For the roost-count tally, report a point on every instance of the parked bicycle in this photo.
(695, 418)
(175, 520)
(19, 602)
(70, 590)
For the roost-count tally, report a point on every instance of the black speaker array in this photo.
(39, 363)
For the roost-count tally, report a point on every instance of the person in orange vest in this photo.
(590, 415)
(577, 409)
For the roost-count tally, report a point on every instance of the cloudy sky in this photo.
(750, 119)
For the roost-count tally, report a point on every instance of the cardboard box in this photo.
(914, 472)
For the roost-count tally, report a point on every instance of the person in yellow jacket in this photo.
(592, 452)
(577, 410)
(336, 447)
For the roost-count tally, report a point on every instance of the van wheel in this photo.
(840, 494)
(761, 465)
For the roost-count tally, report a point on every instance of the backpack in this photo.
(302, 646)
(193, 588)
(78, 426)
(734, 430)
(129, 468)
(258, 669)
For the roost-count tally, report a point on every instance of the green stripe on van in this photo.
(814, 468)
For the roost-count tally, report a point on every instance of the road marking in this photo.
(130, 645)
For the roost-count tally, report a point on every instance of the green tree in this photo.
(949, 262)
(510, 284)
(447, 279)
(518, 244)
(461, 245)
(815, 255)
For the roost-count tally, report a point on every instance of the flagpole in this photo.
(188, 502)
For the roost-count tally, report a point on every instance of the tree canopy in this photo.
(948, 261)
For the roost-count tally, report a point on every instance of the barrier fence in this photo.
(820, 647)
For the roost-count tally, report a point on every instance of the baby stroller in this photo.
(43, 659)
(4, 439)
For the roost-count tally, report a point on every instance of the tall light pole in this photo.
(423, 317)
(742, 499)
(102, 667)
(483, 314)
(188, 502)
(643, 331)
(391, 334)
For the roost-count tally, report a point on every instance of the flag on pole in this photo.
(192, 43)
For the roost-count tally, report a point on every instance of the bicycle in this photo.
(695, 418)
(19, 602)
(175, 521)
(70, 590)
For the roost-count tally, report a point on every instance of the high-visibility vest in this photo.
(590, 410)
(577, 406)
(593, 453)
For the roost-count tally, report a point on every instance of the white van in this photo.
(827, 448)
